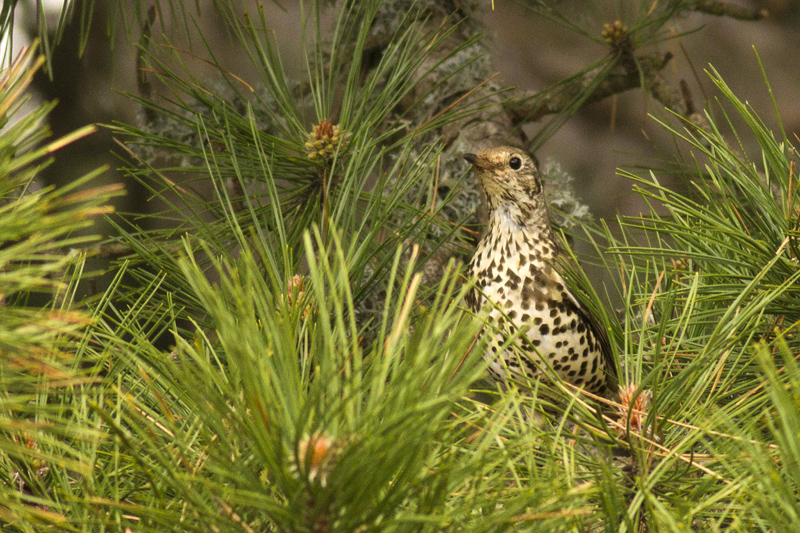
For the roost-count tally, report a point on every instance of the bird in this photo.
(517, 269)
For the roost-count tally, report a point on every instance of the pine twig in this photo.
(532, 106)
(725, 9)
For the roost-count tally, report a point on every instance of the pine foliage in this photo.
(287, 348)
(41, 262)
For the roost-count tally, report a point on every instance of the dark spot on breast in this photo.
(544, 329)
(530, 368)
(512, 275)
(527, 293)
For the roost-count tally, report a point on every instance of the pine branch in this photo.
(530, 106)
(726, 9)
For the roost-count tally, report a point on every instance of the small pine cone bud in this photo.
(38, 464)
(614, 33)
(325, 140)
(636, 412)
(317, 456)
(296, 287)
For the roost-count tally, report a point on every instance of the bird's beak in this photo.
(476, 161)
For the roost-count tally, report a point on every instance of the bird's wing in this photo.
(601, 334)
(471, 299)
(564, 265)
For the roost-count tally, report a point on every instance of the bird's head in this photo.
(510, 179)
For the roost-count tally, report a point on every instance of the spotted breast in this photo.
(517, 282)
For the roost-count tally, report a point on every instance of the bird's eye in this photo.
(515, 163)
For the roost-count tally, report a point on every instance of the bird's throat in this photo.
(511, 217)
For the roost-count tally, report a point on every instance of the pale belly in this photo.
(553, 334)
(513, 272)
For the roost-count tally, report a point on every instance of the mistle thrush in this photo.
(516, 268)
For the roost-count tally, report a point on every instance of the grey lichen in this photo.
(566, 209)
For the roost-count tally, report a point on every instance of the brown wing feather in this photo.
(471, 299)
(601, 335)
(565, 265)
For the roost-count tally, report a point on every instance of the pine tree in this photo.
(284, 345)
